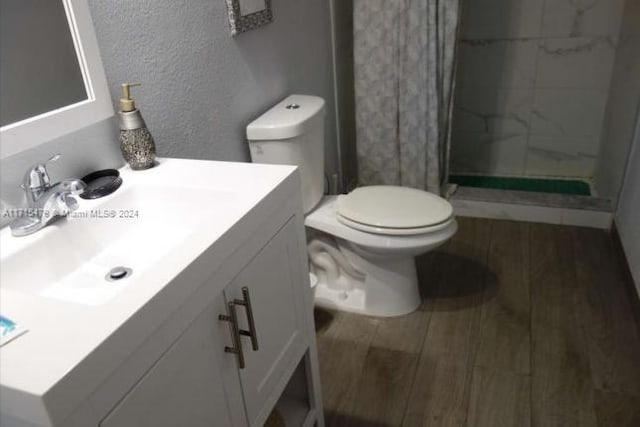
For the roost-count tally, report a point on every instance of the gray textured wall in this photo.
(201, 87)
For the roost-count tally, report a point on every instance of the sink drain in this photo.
(118, 273)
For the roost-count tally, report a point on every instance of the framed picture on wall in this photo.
(245, 15)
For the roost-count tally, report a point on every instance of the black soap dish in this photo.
(101, 183)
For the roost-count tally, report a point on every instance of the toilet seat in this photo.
(392, 231)
(324, 218)
(393, 210)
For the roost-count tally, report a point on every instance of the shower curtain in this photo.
(404, 69)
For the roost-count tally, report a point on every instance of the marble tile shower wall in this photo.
(533, 80)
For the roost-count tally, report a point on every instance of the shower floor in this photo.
(538, 185)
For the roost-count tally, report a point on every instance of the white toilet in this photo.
(361, 245)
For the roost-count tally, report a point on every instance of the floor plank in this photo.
(342, 351)
(380, 395)
(617, 410)
(612, 337)
(499, 398)
(403, 333)
(504, 337)
(440, 394)
(430, 268)
(440, 391)
(456, 298)
(327, 322)
(562, 392)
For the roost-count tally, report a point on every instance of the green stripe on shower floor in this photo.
(539, 185)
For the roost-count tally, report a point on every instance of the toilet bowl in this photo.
(361, 246)
(365, 271)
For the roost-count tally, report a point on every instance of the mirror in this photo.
(51, 77)
(39, 70)
(245, 15)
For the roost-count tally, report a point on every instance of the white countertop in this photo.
(71, 348)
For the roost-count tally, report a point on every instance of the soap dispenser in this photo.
(136, 142)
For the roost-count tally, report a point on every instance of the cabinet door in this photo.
(184, 388)
(276, 282)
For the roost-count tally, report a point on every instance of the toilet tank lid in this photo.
(291, 117)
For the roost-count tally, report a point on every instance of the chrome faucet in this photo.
(46, 202)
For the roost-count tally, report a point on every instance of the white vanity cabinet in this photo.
(161, 350)
(197, 383)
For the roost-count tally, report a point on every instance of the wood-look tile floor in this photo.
(521, 325)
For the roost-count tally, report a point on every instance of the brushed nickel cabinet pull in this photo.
(246, 303)
(232, 318)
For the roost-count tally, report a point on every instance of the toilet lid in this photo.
(386, 206)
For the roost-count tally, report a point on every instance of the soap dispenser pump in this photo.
(136, 142)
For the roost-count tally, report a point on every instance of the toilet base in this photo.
(334, 299)
(375, 286)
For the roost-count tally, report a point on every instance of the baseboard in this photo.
(628, 280)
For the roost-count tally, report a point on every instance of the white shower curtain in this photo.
(404, 53)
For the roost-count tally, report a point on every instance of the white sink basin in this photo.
(135, 228)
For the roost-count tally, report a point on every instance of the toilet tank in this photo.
(292, 133)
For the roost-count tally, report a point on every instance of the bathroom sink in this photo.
(134, 228)
(154, 226)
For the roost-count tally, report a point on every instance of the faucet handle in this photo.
(37, 176)
(67, 204)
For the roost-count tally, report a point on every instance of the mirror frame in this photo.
(239, 23)
(29, 133)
